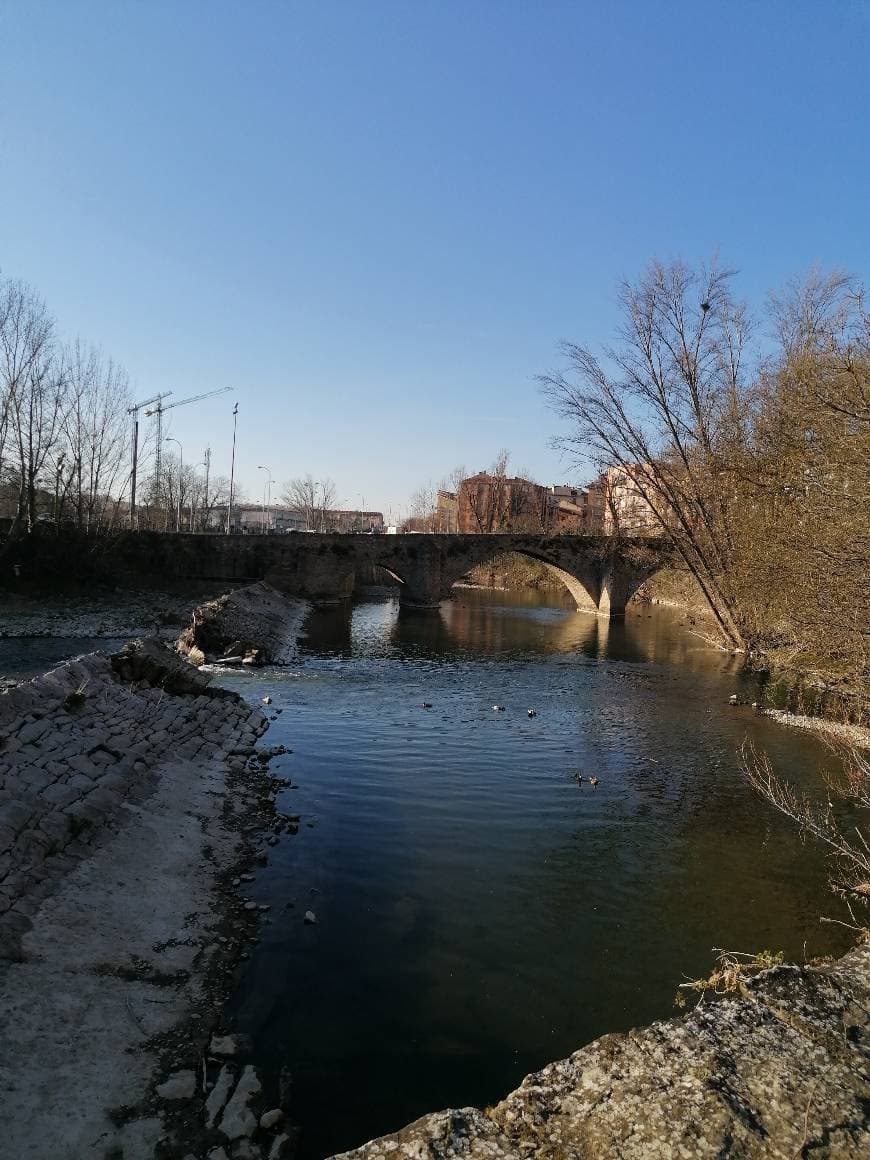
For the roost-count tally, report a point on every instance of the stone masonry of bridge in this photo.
(600, 573)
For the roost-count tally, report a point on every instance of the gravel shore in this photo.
(111, 613)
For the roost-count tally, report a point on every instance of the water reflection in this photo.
(479, 912)
(519, 623)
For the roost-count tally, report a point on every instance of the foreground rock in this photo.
(781, 1072)
(252, 625)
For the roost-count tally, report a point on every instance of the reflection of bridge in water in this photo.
(599, 572)
(520, 624)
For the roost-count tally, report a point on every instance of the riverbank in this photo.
(838, 732)
(132, 801)
(110, 612)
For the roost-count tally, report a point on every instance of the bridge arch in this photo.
(583, 590)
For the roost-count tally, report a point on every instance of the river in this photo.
(479, 912)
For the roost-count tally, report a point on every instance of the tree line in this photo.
(65, 434)
(748, 435)
(63, 420)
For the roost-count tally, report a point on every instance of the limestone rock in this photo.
(218, 1096)
(228, 1045)
(271, 1118)
(244, 1149)
(180, 1086)
(238, 1120)
(282, 1147)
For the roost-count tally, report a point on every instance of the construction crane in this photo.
(158, 411)
(134, 411)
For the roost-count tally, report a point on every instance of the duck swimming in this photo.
(498, 708)
(532, 712)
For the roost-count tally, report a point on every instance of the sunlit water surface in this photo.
(479, 912)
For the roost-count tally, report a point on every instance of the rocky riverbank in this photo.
(132, 800)
(778, 1071)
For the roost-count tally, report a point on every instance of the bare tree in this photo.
(206, 502)
(94, 430)
(313, 499)
(485, 496)
(423, 509)
(804, 540)
(848, 849)
(32, 390)
(451, 482)
(668, 412)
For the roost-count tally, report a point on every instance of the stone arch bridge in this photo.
(600, 573)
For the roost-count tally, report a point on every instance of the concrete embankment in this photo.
(781, 1071)
(131, 797)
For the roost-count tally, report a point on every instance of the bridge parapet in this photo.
(600, 572)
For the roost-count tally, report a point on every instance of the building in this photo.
(497, 503)
(570, 510)
(446, 512)
(626, 512)
(490, 503)
(254, 519)
(340, 520)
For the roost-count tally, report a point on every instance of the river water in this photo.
(479, 912)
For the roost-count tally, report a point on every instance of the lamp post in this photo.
(232, 471)
(362, 514)
(171, 439)
(266, 506)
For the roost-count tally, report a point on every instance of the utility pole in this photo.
(206, 464)
(267, 505)
(232, 470)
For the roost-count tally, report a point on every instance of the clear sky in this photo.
(375, 219)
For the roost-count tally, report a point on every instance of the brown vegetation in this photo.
(756, 465)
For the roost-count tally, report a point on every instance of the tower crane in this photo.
(134, 411)
(158, 411)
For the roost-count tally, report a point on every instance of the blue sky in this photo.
(376, 219)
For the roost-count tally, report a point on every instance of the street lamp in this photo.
(172, 439)
(266, 507)
(362, 514)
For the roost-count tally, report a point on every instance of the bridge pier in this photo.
(614, 596)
